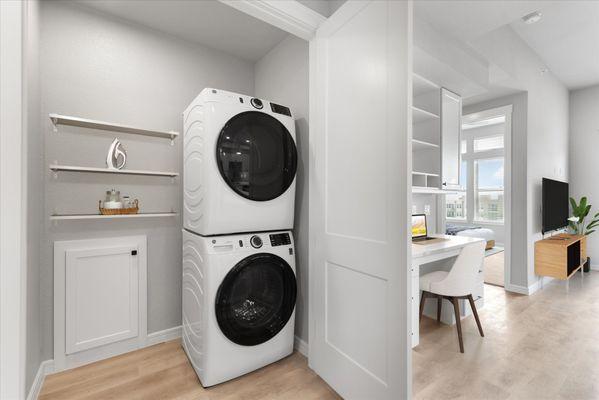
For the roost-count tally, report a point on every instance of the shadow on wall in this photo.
(300, 230)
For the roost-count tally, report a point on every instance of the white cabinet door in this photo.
(359, 132)
(101, 297)
(451, 127)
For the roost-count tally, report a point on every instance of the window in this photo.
(488, 143)
(463, 147)
(456, 206)
(488, 194)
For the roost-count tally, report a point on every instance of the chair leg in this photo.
(458, 324)
(473, 306)
(439, 305)
(422, 299)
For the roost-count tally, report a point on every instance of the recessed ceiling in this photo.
(567, 39)
(207, 22)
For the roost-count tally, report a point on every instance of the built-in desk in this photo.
(426, 253)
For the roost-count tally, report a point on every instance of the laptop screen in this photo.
(418, 225)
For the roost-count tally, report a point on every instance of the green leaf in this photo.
(583, 203)
(573, 204)
(589, 232)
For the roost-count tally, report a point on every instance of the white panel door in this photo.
(102, 299)
(359, 198)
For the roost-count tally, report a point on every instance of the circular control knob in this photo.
(257, 103)
(256, 242)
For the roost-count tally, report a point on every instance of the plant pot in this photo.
(586, 267)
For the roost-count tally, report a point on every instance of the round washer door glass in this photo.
(256, 299)
(256, 156)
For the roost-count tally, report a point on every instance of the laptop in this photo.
(420, 229)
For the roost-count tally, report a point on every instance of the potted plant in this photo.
(577, 222)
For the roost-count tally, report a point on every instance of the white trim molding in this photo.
(301, 346)
(46, 368)
(13, 196)
(288, 15)
(163, 336)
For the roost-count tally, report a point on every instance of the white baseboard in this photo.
(163, 336)
(301, 346)
(594, 267)
(517, 289)
(46, 368)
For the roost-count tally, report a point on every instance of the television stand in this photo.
(560, 256)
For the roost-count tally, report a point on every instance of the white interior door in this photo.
(359, 197)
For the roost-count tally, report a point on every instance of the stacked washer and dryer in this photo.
(239, 286)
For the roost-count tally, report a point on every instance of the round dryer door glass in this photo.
(256, 299)
(256, 156)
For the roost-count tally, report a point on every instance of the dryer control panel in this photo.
(279, 239)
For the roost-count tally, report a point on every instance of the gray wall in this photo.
(584, 141)
(519, 102)
(99, 67)
(33, 145)
(282, 76)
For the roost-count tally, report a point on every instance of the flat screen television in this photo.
(555, 205)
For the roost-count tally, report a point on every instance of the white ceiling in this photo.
(567, 39)
(469, 19)
(207, 22)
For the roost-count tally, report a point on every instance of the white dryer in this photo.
(239, 297)
(239, 167)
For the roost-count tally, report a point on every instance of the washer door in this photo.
(256, 156)
(256, 299)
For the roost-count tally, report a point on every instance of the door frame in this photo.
(301, 21)
(507, 181)
(13, 196)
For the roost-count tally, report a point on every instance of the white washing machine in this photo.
(239, 295)
(239, 167)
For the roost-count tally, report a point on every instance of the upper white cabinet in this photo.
(436, 116)
(451, 117)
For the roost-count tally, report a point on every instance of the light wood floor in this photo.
(494, 269)
(544, 346)
(163, 372)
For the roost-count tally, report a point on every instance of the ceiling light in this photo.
(532, 18)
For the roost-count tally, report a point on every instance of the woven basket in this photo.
(119, 211)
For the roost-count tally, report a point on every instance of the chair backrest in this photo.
(462, 276)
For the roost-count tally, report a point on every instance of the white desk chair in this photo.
(455, 284)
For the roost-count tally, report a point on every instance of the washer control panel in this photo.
(280, 239)
(257, 103)
(256, 242)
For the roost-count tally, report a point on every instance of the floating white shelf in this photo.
(420, 115)
(430, 190)
(424, 173)
(73, 168)
(422, 145)
(421, 85)
(109, 126)
(100, 216)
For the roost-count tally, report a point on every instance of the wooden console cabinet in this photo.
(560, 256)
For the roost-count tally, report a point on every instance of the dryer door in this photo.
(256, 299)
(256, 156)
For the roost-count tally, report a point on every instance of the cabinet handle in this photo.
(444, 183)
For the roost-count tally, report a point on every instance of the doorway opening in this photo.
(482, 208)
